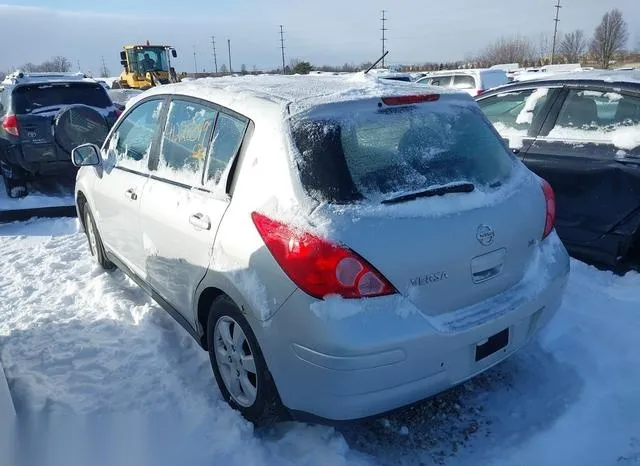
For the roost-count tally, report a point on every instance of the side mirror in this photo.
(123, 55)
(85, 155)
(174, 54)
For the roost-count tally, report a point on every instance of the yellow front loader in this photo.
(146, 66)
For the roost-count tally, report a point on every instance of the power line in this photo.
(229, 46)
(284, 71)
(215, 58)
(383, 29)
(555, 31)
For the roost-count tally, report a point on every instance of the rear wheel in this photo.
(14, 179)
(95, 243)
(239, 366)
(16, 188)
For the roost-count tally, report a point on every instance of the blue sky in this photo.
(323, 32)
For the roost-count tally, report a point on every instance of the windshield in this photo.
(30, 98)
(383, 153)
(143, 59)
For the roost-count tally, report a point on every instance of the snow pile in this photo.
(100, 375)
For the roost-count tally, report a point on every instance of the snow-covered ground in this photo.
(39, 197)
(81, 347)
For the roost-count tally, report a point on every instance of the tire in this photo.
(15, 180)
(263, 406)
(16, 189)
(95, 243)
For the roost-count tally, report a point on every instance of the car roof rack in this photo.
(19, 77)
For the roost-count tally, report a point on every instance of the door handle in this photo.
(200, 221)
(131, 194)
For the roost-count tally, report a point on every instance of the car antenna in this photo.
(378, 61)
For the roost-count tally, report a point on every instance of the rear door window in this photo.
(379, 153)
(599, 116)
(41, 97)
(185, 141)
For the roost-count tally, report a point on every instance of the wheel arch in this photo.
(206, 298)
(81, 202)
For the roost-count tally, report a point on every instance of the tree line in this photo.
(607, 44)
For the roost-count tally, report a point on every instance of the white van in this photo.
(474, 81)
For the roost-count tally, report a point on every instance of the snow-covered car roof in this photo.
(295, 92)
(610, 76)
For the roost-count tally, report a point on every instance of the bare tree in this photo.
(610, 37)
(544, 46)
(508, 50)
(56, 64)
(573, 46)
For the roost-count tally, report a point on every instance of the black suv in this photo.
(43, 117)
(581, 132)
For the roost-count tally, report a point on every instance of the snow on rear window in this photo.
(379, 153)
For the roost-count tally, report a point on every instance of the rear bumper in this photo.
(391, 355)
(39, 160)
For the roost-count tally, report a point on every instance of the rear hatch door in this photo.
(36, 106)
(430, 195)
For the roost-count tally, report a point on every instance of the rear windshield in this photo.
(28, 98)
(385, 152)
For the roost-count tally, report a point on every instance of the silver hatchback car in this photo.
(341, 246)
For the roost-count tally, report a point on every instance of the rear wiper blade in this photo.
(432, 191)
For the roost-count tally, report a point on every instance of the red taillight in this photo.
(479, 92)
(410, 99)
(317, 266)
(10, 125)
(550, 200)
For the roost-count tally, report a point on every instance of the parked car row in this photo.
(339, 254)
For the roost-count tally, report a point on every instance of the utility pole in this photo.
(104, 72)
(215, 58)
(555, 31)
(195, 63)
(229, 47)
(383, 19)
(284, 71)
